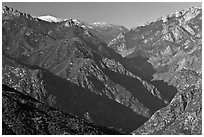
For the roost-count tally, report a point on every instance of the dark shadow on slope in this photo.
(139, 65)
(141, 62)
(103, 111)
(101, 49)
(134, 86)
(76, 100)
(167, 91)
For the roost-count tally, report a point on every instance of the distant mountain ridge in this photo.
(103, 30)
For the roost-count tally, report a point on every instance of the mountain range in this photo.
(101, 78)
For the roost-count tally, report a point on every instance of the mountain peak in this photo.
(185, 14)
(68, 22)
(50, 18)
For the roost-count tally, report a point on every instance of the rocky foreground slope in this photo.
(33, 117)
(67, 66)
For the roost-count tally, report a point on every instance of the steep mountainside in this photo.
(173, 46)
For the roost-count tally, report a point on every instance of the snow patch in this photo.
(49, 18)
(100, 23)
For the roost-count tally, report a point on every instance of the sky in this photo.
(128, 14)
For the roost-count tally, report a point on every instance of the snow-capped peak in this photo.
(49, 18)
(100, 24)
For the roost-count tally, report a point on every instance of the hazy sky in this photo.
(126, 14)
